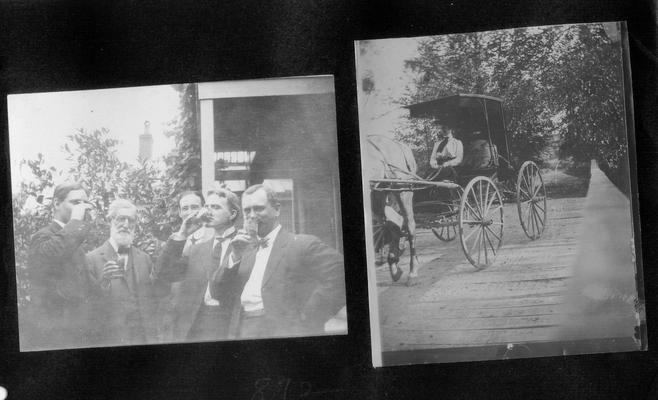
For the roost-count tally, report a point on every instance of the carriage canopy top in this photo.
(460, 111)
(466, 114)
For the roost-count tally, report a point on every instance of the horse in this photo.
(390, 159)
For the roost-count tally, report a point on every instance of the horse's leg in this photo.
(394, 232)
(394, 251)
(378, 228)
(406, 202)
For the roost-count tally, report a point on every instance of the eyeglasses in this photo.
(192, 207)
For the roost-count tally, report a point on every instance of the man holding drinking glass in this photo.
(126, 310)
(59, 291)
(201, 306)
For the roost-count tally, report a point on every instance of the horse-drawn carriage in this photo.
(471, 205)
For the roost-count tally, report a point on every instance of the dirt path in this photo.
(527, 295)
(513, 300)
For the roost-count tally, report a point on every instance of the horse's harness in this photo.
(392, 169)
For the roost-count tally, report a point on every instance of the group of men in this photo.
(212, 280)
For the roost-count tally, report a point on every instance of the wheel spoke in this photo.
(466, 247)
(527, 184)
(541, 208)
(486, 201)
(489, 203)
(535, 222)
(469, 234)
(475, 213)
(526, 215)
(478, 244)
(539, 217)
(540, 220)
(530, 219)
(494, 209)
(492, 232)
(527, 195)
(535, 215)
(484, 245)
(542, 216)
(479, 204)
(537, 188)
(531, 182)
(489, 241)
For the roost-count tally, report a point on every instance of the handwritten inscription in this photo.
(282, 388)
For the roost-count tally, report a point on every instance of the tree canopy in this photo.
(152, 186)
(184, 163)
(562, 88)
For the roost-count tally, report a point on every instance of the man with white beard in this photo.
(127, 304)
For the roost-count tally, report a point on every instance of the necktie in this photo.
(263, 243)
(122, 253)
(442, 145)
(217, 249)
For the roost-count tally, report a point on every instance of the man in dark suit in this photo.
(126, 312)
(59, 287)
(201, 309)
(285, 285)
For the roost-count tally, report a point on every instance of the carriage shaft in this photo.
(413, 184)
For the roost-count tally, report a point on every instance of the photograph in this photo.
(177, 213)
(497, 194)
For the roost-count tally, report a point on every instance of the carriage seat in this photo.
(480, 158)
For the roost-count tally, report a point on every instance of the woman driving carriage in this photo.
(447, 153)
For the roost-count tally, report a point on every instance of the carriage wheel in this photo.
(447, 231)
(481, 222)
(531, 200)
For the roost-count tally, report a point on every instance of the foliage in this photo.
(96, 165)
(151, 185)
(420, 135)
(184, 164)
(559, 85)
(28, 221)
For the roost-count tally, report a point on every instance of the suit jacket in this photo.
(126, 312)
(59, 288)
(193, 272)
(303, 286)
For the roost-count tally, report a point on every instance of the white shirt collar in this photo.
(272, 235)
(60, 223)
(228, 232)
(114, 244)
